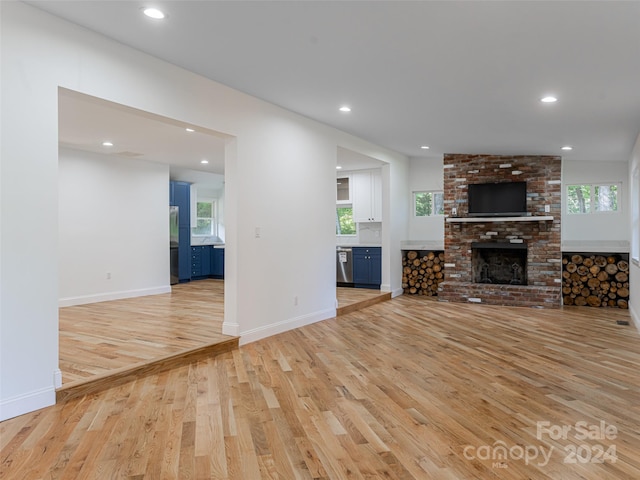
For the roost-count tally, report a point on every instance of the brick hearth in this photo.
(542, 238)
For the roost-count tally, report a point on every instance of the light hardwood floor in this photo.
(406, 389)
(99, 338)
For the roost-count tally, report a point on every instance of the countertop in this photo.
(214, 245)
(422, 245)
(365, 245)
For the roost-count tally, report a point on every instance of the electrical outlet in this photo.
(547, 208)
(108, 275)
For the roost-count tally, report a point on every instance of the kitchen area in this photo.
(358, 221)
(196, 214)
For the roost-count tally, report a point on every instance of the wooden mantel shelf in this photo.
(539, 218)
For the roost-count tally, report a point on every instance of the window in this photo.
(578, 198)
(426, 204)
(592, 198)
(344, 221)
(606, 198)
(205, 220)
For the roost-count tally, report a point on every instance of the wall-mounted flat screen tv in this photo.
(508, 199)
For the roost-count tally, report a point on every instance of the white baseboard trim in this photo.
(57, 378)
(635, 319)
(105, 297)
(28, 402)
(275, 328)
(397, 292)
(232, 329)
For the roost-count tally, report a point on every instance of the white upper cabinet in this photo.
(367, 195)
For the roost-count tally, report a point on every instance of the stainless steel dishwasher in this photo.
(344, 266)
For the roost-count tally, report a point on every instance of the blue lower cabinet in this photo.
(207, 262)
(217, 262)
(200, 262)
(367, 267)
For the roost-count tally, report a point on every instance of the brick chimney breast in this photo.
(542, 239)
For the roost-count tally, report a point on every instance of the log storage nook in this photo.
(595, 280)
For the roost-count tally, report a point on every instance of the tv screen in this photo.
(498, 199)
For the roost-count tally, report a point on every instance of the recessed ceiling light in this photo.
(549, 99)
(567, 147)
(153, 13)
(425, 147)
(338, 167)
(189, 130)
(345, 109)
(204, 161)
(107, 144)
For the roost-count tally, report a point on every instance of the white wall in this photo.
(113, 220)
(395, 219)
(634, 267)
(602, 231)
(275, 159)
(426, 174)
(221, 215)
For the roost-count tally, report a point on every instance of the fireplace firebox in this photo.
(499, 263)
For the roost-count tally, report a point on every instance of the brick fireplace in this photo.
(503, 260)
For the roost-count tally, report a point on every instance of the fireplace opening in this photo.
(499, 263)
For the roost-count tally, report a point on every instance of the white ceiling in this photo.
(461, 77)
(84, 122)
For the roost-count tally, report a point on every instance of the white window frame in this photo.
(592, 198)
(433, 193)
(214, 224)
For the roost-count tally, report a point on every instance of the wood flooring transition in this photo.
(108, 343)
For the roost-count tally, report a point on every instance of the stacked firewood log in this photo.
(421, 274)
(595, 281)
